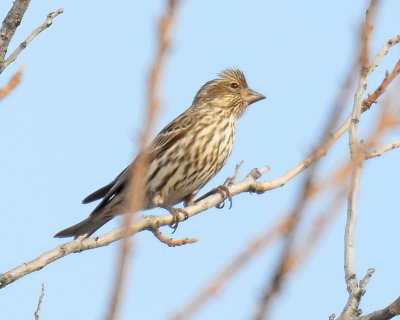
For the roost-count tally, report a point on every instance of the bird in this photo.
(183, 156)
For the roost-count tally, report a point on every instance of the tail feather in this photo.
(85, 227)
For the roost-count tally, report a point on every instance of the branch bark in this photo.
(387, 313)
(37, 317)
(378, 153)
(10, 24)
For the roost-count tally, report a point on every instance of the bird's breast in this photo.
(191, 161)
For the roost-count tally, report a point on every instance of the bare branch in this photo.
(384, 52)
(171, 242)
(10, 24)
(378, 153)
(357, 154)
(24, 44)
(37, 317)
(382, 88)
(231, 180)
(389, 312)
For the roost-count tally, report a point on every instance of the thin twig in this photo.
(171, 242)
(382, 88)
(12, 84)
(390, 43)
(378, 153)
(231, 180)
(24, 44)
(37, 317)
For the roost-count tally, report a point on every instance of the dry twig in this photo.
(10, 24)
(37, 317)
(378, 153)
(171, 242)
(355, 289)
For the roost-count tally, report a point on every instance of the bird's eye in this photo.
(234, 85)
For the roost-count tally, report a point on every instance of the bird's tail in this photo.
(85, 227)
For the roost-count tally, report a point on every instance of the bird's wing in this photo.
(98, 194)
(173, 132)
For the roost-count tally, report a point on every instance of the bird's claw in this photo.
(225, 194)
(175, 216)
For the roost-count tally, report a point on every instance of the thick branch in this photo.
(389, 312)
(357, 156)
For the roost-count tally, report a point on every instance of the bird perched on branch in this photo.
(183, 157)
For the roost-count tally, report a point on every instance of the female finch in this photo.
(184, 156)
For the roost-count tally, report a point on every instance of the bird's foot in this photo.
(223, 190)
(225, 194)
(175, 212)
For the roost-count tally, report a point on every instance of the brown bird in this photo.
(184, 156)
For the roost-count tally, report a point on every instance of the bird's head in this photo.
(230, 92)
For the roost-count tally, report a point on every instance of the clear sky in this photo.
(70, 127)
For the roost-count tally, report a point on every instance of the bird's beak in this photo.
(252, 96)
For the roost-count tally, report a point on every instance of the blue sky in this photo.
(70, 127)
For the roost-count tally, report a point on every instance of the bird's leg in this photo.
(175, 216)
